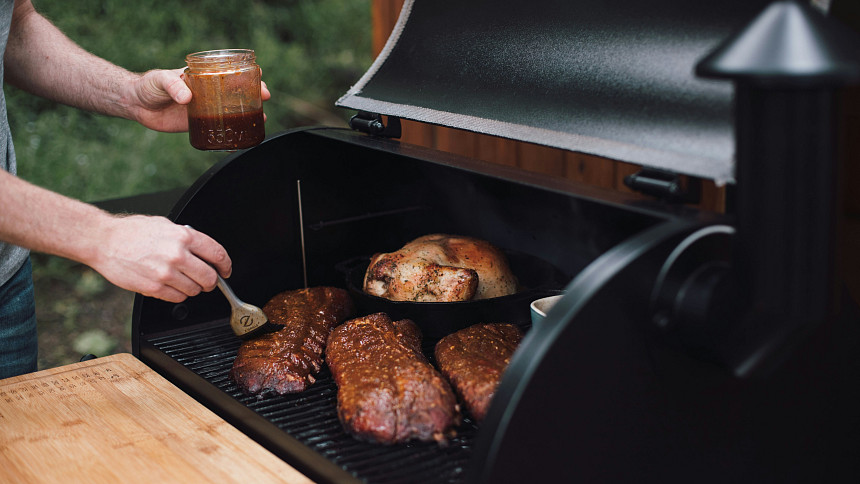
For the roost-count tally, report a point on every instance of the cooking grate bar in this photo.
(311, 417)
(299, 420)
(319, 430)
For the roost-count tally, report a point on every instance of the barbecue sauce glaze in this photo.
(226, 108)
(226, 132)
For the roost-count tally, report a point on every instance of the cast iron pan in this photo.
(537, 278)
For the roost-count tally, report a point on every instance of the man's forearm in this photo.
(48, 222)
(42, 60)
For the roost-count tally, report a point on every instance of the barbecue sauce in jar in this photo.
(226, 108)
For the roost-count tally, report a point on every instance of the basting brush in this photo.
(248, 321)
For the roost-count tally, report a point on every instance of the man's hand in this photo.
(158, 258)
(157, 100)
(40, 59)
(149, 255)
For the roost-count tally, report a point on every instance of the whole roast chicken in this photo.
(440, 268)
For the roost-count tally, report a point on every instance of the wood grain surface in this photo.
(113, 419)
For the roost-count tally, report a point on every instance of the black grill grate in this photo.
(311, 417)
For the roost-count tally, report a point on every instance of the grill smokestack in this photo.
(787, 66)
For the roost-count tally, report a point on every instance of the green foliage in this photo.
(311, 51)
(94, 341)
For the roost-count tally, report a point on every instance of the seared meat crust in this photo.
(387, 390)
(474, 359)
(287, 360)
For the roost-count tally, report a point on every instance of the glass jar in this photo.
(226, 108)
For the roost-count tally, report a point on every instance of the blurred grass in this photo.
(310, 51)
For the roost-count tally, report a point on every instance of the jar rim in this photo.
(221, 55)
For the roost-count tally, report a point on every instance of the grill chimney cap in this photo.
(788, 44)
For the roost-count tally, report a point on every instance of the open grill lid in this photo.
(611, 80)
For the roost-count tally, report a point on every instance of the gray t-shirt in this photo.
(11, 256)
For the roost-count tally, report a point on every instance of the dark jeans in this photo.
(18, 342)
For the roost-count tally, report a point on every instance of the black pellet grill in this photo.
(688, 346)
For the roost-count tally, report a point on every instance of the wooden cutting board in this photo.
(112, 420)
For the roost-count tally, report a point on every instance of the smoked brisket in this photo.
(287, 360)
(387, 390)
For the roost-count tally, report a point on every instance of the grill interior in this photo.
(311, 416)
(191, 343)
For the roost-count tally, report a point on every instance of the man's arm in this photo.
(150, 255)
(40, 59)
(43, 61)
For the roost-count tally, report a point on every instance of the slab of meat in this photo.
(287, 360)
(473, 360)
(387, 390)
(440, 268)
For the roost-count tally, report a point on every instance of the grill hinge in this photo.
(666, 186)
(371, 123)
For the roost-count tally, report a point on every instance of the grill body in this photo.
(676, 353)
(359, 196)
(595, 393)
